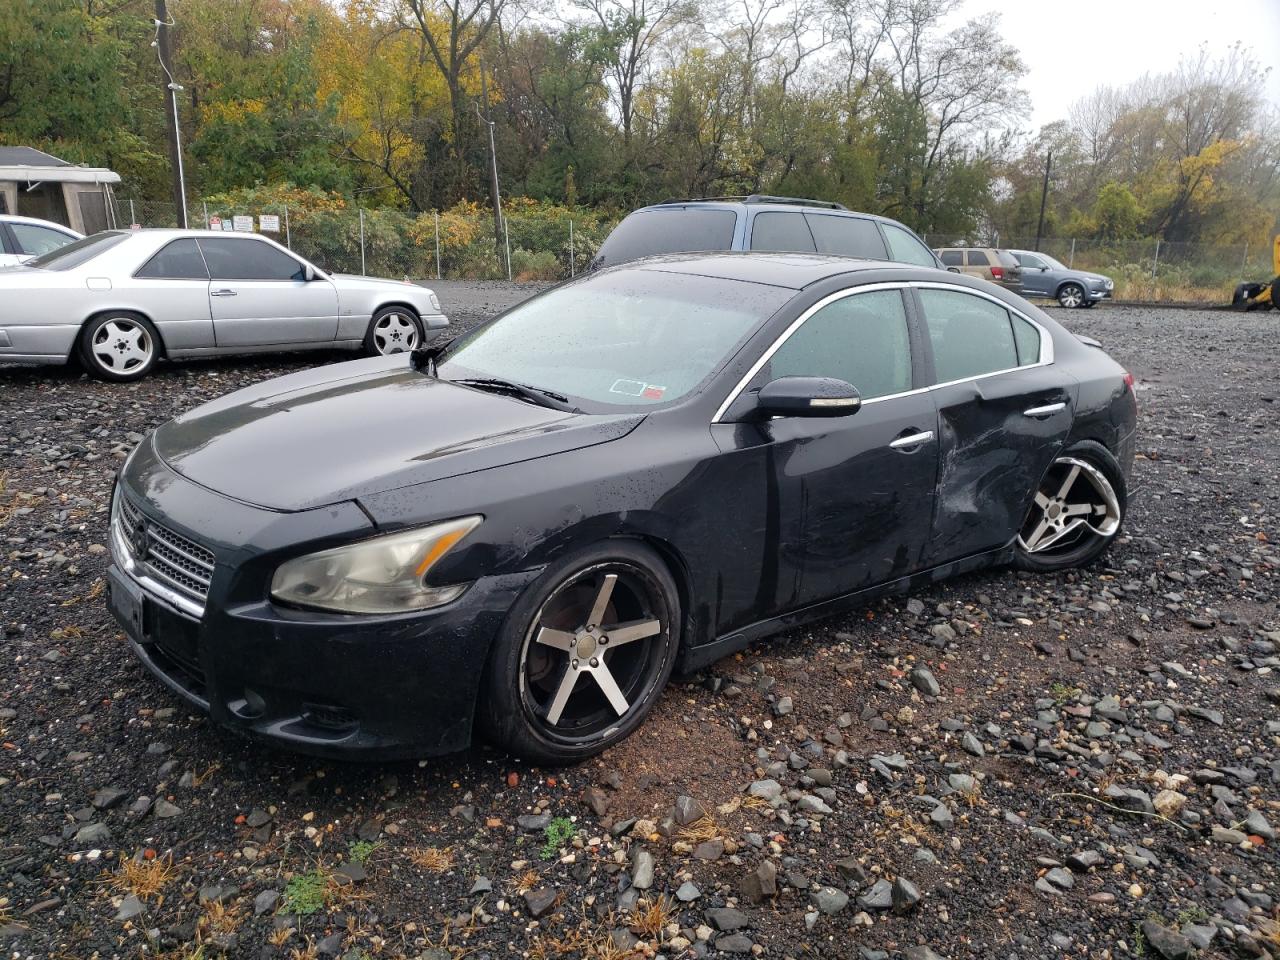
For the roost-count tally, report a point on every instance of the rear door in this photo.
(977, 264)
(259, 295)
(1004, 410)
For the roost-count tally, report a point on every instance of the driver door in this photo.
(1035, 275)
(854, 495)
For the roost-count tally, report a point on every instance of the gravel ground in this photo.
(1002, 766)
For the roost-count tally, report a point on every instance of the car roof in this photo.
(35, 221)
(762, 203)
(793, 271)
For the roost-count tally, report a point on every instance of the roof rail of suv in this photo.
(760, 198)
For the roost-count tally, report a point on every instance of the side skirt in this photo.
(701, 656)
(264, 348)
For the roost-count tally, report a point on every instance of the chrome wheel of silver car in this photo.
(1075, 503)
(1071, 296)
(395, 332)
(593, 652)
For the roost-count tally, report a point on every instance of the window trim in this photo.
(1046, 339)
(208, 278)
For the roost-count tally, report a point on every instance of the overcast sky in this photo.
(1073, 46)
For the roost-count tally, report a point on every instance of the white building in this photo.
(35, 184)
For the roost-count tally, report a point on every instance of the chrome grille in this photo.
(168, 556)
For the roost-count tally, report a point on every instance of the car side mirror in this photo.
(807, 397)
(309, 273)
(1044, 269)
(953, 269)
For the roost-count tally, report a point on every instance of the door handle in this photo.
(1047, 410)
(222, 293)
(911, 440)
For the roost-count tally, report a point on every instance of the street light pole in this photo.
(161, 43)
(1044, 195)
(494, 193)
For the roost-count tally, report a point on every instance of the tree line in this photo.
(901, 107)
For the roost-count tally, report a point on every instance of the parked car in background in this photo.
(761, 223)
(526, 530)
(1043, 276)
(22, 238)
(122, 299)
(987, 263)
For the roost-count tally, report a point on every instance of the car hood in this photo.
(355, 429)
(353, 280)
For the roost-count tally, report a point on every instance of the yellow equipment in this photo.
(1259, 296)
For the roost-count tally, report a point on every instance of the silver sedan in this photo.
(122, 299)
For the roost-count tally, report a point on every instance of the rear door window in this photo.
(646, 233)
(846, 236)
(970, 335)
(978, 258)
(231, 258)
(781, 231)
(953, 258)
(179, 260)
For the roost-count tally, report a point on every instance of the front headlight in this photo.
(383, 575)
(435, 302)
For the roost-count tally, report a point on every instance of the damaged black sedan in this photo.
(523, 532)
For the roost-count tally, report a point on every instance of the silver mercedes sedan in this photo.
(122, 299)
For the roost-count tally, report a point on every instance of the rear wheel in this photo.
(393, 330)
(1071, 295)
(1076, 512)
(583, 654)
(119, 346)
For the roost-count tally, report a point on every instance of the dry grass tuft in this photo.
(145, 879)
(526, 881)
(702, 830)
(431, 859)
(650, 917)
(219, 920)
(279, 936)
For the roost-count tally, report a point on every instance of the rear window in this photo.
(978, 258)
(846, 236)
(646, 233)
(781, 231)
(1008, 259)
(79, 251)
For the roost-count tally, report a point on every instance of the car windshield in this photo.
(621, 339)
(78, 252)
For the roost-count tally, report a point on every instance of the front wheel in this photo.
(583, 654)
(1071, 296)
(119, 346)
(393, 330)
(1076, 512)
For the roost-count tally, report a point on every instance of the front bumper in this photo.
(351, 687)
(1097, 294)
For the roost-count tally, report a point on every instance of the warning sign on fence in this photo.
(215, 223)
(242, 224)
(269, 223)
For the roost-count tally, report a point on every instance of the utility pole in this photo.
(1044, 195)
(161, 43)
(494, 195)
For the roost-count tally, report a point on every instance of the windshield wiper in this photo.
(536, 395)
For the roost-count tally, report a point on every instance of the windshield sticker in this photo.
(630, 388)
(652, 392)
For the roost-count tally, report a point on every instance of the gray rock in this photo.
(597, 800)
(734, 943)
(727, 919)
(851, 870)
(1227, 835)
(762, 883)
(688, 810)
(1200, 935)
(540, 901)
(765, 789)
(688, 892)
(920, 952)
(130, 907)
(972, 744)
(1060, 878)
(331, 945)
(1084, 860)
(92, 834)
(533, 822)
(709, 850)
(829, 900)
(1256, 823)
(164, 810)
(922, 679)
(811, 804)
(879, 897)
(109, 797)
(1129, 799)
(1166, 942)
(905, 895)
(481, 885)
(642, 870)
(265, 901)
(783, 707)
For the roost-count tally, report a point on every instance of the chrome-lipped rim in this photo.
(1071, 296)
(395, 333)
(122, 346)
(1075, 501)
(593, 651)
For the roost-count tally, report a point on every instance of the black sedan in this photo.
(526, 530)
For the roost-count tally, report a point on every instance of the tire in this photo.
(545, 648)
(1071, 296)
(393, 330)
(1084, 474)
(119, 346)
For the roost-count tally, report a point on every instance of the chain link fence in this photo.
(537, 243)
(544, 243)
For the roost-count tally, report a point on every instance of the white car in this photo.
(122, 299)
(22, 238)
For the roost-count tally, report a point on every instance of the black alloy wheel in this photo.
(583, 654)
(1076, 512)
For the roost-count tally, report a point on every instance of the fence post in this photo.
(362, 267)
(1156, 262)
(1071, 261)
(506, 233)
(571, 263)
(204, 205)
(132, 216)
(1244, 261)
(288, 237)
(436, 214)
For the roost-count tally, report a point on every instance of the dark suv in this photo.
(760, 222)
